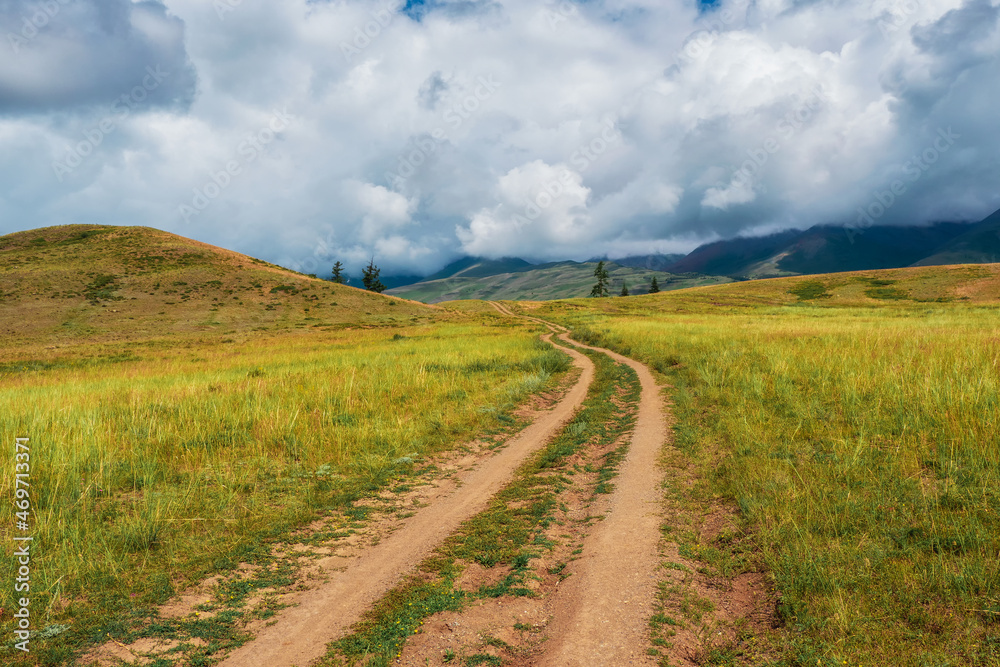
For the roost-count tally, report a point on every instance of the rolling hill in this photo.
(556, 280)
(924, 288)
(120, 283)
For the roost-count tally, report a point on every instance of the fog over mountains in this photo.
(821, 249)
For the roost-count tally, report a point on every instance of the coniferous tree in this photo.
(601, 288)
(654, 286)
(369, 276)
(624, 289)
(338, 273)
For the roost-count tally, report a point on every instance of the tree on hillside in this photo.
(624, 289)
(601, 288)
(338, 273)
(654, 286)
(369, 276)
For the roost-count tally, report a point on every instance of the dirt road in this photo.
(301, 633)
(601, 613)
(603, 610)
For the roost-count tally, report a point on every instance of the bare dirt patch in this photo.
(498, 627)
(515, 628)
(714, 598)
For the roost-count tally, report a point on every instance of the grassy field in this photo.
(189, 407)
(507, 536)
(852, 419)
(153, 469)
(165, 448)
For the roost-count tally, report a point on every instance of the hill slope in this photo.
(929, 286)
(118, 283)
(557, 280)
(824, 249)
(735, 257)
(980, 244)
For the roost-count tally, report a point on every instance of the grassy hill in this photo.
(968, 283)
(559, 280)
(121, 283)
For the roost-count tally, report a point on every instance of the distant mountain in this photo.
(736, 257)
(389, 281)
(651, 262)
(820, 249)
(478, 267)
(555, 280)
(979, 245)
(831, 249)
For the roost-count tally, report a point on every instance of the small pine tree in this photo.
(601, 288)
(338, 273)
(369, 276)
(654, 286)
(624, 290)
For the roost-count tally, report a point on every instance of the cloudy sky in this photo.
(303, 131)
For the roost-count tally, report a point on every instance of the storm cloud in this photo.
(306, 131)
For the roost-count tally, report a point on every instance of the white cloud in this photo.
(541, 211)
(648, 110)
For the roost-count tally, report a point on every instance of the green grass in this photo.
(151, 471)
(508, 534)
(858, 442)
(810, 289)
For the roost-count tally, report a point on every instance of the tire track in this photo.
(603, 610)
(300, 634)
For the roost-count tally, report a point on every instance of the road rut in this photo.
(602, 611)
(323, 614)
